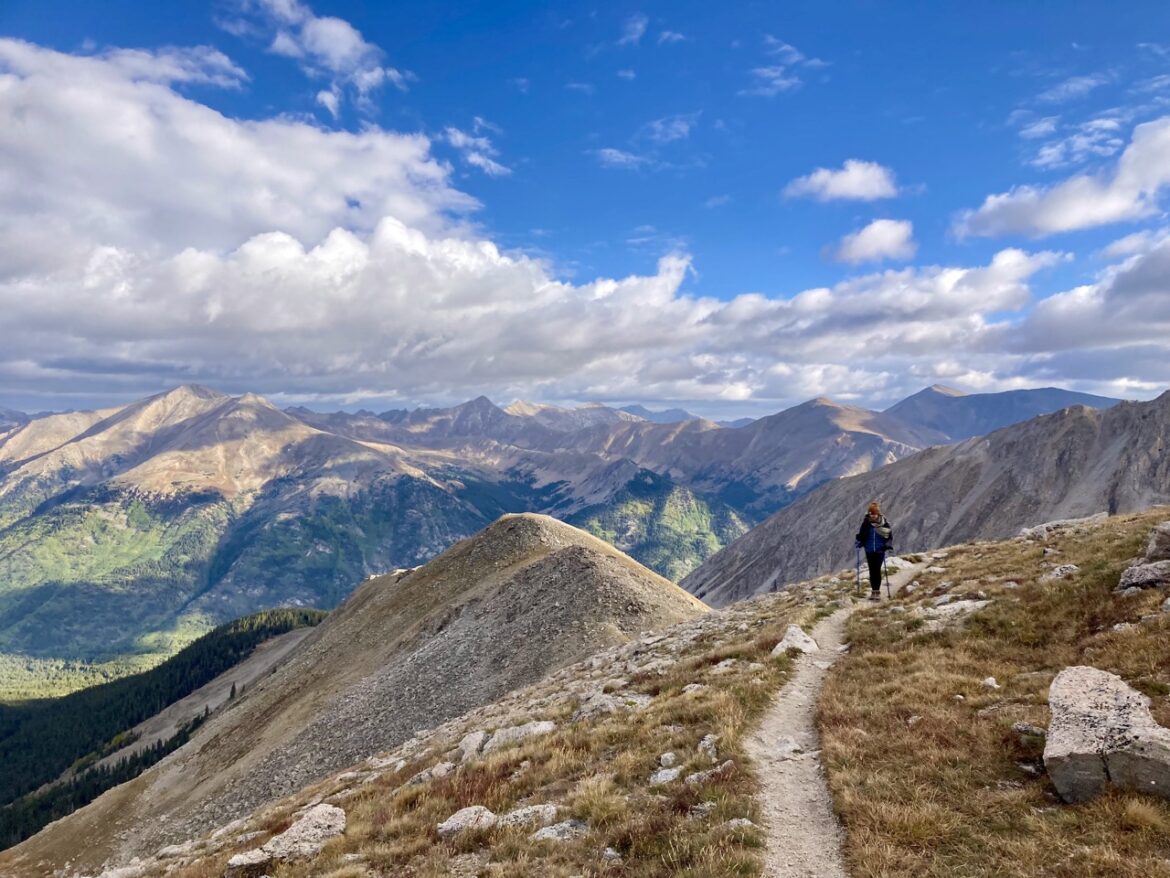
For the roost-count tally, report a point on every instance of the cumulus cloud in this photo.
(671, 36)
(1128, 191)
(148, 240)
(881, 239)
(325, 46)
(856, 180)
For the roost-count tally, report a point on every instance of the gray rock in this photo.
(668, 759)
(740, 823)
(513, 734)
(1064, 571)
(727, 666)
(990, 683)
(1102, 732)
(664, 776)
(567, 830)
(701, 811)
(471, 817)
(1154, 575)
(703, 776)
(1028, 730)
(795, 638)
(692, 688)
(708, 747)
(472, 743)
(308, 835)
(241, 864)
(609, 855)
(439, 769)
(540, 814)
(1158, 548)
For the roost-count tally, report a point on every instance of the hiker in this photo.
(876, 537)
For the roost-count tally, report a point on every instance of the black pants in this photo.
(875, 559)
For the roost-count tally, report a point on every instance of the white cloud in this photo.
(881, 239)
(717, 201)
(669, 128)
(856, 180)
(634, 30)
(609, 157)
(771, 81)
(1040, 128)
(585, 88)
(1126, 192)
(627, 74)
(671, 36)
(148, 240)
(325, 46)
(1072, 88)
(477, 148)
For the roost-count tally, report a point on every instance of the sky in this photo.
(728, 207)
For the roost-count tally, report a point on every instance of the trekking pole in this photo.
(858, 588)
(886, 567)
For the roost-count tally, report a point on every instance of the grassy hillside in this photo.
(40, 740)
(665, 526)
(107, 583)
(614, 716)
(927, 773)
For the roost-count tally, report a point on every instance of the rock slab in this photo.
(795, 638)
(1102, 732)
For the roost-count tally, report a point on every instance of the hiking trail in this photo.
(804, 838)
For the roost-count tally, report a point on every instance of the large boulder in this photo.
(1155, 575)
(1102, 732)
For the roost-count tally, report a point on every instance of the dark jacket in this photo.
(869, 538)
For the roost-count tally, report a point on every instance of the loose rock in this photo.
(471, 817)
(795, 638)
(512, 734)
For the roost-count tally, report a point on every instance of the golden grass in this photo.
(956, 792)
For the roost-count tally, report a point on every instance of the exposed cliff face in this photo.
(405, 652)
(1072, 463)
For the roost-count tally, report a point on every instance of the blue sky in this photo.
(880, 195)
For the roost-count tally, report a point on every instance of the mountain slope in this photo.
(960, 416)
(405, 652)
(1072, 463)
(662, 525)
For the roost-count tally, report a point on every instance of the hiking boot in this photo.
(875, 595)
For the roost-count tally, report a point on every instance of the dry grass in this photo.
(955, 792)
(596, 770)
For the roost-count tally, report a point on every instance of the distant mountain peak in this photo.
(944, 390)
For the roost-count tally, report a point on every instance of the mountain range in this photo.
(126, 532)
(1072, 463)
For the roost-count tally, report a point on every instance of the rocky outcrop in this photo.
(1102, 733)
(471, 817)
(302, 840)
(1153, 569)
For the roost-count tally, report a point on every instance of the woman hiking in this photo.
(876, 537)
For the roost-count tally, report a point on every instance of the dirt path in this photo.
(803, 835)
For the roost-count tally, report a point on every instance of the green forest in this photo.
(39, 740)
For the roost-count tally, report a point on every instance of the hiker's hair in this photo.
(875, 508)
